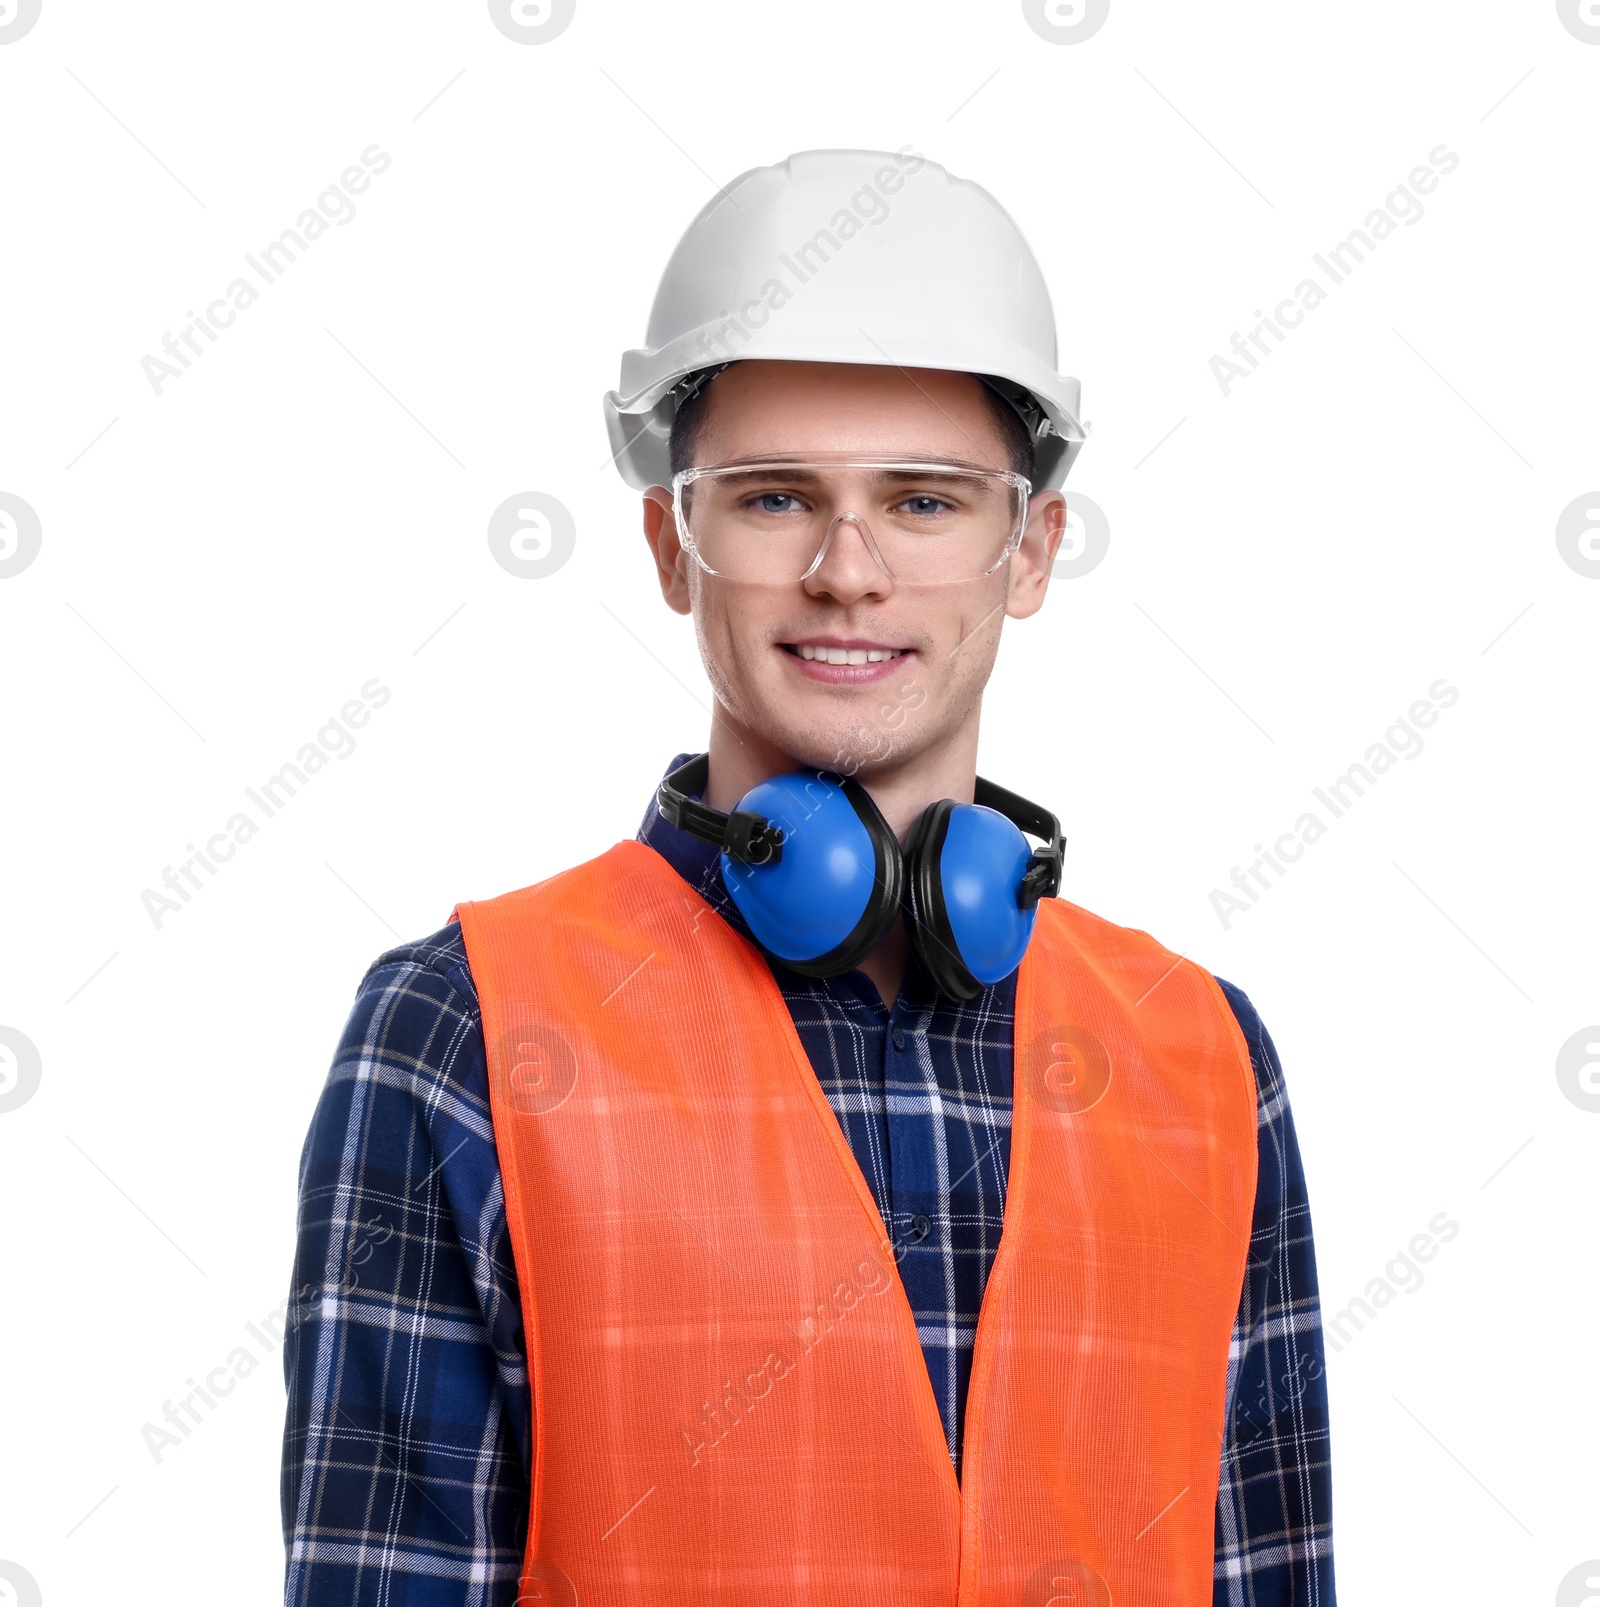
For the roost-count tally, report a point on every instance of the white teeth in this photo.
(848, 655)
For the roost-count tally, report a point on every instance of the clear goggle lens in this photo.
(775, 523)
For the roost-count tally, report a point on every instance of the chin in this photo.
(858, 747)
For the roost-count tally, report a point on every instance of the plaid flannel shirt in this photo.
(408, 1441)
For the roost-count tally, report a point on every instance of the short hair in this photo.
(1015, 438)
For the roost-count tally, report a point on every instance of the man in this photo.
(643, 1206)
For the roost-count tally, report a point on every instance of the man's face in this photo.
(866, 718)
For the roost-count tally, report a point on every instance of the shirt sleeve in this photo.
(405, 1449)
(1274, 1531)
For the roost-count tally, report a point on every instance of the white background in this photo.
(1291, 566)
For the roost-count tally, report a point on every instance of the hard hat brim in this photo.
(639, 422)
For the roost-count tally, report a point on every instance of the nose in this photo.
(848, 565)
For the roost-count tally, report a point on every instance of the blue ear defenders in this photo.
(818, 875)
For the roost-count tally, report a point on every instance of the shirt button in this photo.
(899, 1039)
(921, 1226)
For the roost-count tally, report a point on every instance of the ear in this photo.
(1030, 564)
(672, 562)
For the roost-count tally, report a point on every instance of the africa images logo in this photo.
(21, 1069)
(1066, 22)
(16, 18)
(532, 22)
(20, 536)
(336, 205)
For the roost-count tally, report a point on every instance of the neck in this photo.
(741, 758)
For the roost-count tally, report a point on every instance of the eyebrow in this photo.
(804, 474)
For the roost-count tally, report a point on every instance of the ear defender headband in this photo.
(818, 875)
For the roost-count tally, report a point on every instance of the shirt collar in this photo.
(698, 863)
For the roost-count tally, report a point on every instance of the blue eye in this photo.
(925, 505)
(767, 501)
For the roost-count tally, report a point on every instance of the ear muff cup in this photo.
(825, 905)
(964, 867)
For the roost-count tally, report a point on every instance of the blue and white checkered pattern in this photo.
(407, 1447)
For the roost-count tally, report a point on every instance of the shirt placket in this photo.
(920, 1186)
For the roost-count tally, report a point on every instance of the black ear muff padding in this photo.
(929, 920)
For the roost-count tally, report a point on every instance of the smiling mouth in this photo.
(825, 653)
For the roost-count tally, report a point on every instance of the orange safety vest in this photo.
(730, 1402)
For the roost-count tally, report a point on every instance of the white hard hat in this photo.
(848, 257)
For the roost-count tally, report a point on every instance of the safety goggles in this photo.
(923, 523)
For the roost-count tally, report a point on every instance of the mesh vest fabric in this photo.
(731, 1405)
